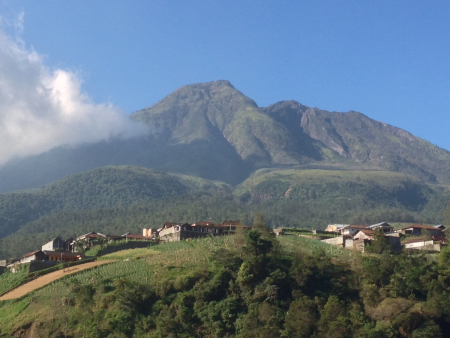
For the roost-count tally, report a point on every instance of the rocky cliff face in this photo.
(355, 137)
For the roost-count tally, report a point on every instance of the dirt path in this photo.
(46, 279)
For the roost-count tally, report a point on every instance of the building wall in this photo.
(429, 247)
(41, 265)
(339, 241)
(38, 257)
(420, 231)
(167, 231)
(361, 235)
(350, 231)
(58, 243)
(395, 243)
(183, 234)
(62, 257)
(417, 244)
(349, 243)
(48, 246)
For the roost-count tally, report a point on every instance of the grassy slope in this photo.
(158, 265)
(293, 176)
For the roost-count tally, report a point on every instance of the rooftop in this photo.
(420, 226)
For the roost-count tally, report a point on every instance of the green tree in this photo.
(259, 223)
(380, 243)
(447, 215)
(301, 319)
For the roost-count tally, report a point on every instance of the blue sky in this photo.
(386, 59)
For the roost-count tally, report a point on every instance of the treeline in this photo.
(193, 208)
(100, 188)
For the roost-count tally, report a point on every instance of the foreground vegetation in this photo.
(246, 285)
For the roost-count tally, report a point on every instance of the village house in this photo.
(364, 234)
(64, 256)
(129, 235)
(335, 227)
(419, 230)
(58, 243)
(89, 240)
(177, 232)
(112, 238)
(231, 225)
(148, 232)
(33, 256)
(279, 232)
(440, 239)
(383, 226)
(49, 255)
(351, 230)
(355, 237)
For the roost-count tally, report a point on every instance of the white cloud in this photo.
(41, 108)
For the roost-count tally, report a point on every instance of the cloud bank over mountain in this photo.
(42, 108)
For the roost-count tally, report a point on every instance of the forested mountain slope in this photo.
(116, 200)
(100, 188)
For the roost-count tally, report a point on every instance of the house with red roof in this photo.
(420, 229)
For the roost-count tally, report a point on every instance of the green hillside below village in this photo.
(249, 284)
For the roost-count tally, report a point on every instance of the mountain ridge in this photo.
(212, 130)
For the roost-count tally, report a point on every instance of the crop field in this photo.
(10, 280)
(132, 270)
(140, 265)
(293, 243)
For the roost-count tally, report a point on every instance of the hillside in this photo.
(239, 286)
(105, 187)
(116, 200)
(212, 130)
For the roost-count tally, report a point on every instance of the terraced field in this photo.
(49, 278)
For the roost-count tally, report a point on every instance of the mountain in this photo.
(354, 137)
(212, 130)
(225, 157)
(218, 114)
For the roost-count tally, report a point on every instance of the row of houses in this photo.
(356, 236)
(69, 250)
(170, 232)
(414, 230)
